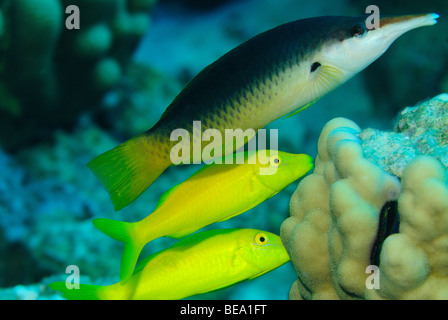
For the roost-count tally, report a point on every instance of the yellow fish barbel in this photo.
(204, 262)
(214, 193)
(279, 72)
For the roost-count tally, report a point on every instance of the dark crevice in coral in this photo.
(309, 293)
(351, 294)
(389, 223)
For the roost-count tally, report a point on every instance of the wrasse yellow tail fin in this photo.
(85, 291)
(124, 232)
(129, 169)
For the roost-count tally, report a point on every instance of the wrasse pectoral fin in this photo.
(327, 78)
(323, 79)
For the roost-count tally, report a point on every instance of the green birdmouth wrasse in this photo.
(231, 190)
(279, 72)
(206, 261)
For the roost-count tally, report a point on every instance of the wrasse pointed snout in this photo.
(409, 22)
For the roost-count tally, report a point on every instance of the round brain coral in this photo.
(337, 216)
(414, 262)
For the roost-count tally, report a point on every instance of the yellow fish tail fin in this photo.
(84, 292)
(129, 169)
(124, 232)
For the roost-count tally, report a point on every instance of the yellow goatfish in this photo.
(204, 262)
(216, 192)
(279, 72)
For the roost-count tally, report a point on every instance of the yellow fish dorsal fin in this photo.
(300, 109)
(181, 234)
(165, 196)
(167, 193)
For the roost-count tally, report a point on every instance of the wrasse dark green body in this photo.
(271, 75)
(236, 89)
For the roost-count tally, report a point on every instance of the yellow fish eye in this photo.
(275, 161)
(261, 239)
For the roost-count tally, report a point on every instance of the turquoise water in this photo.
(67, 95)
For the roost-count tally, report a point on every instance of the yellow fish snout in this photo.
(283, 169)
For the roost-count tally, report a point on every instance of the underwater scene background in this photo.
(67, 96)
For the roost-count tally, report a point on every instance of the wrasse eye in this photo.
(314, 66)
(359, 30)
(261, 239)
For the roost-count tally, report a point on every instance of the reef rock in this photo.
(419, 130)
